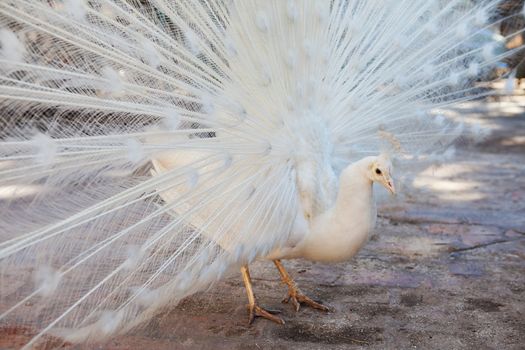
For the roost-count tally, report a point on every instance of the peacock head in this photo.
(381, 172)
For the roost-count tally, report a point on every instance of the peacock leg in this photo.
(294, 293)
(254, 309)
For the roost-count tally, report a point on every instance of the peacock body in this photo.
(150, 148)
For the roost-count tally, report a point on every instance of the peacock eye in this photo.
(378, 172)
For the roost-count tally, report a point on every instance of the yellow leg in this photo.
(294, 293)
(254, 309)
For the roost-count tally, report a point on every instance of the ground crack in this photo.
(466, 221)
(483, 245)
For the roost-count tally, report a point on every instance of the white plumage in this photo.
(149, 148)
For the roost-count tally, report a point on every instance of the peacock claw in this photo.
(297, 298)
(257, 311)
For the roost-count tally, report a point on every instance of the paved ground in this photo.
(445, 269)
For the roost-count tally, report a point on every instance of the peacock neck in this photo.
(355, 188)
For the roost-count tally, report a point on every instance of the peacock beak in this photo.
(389, 185)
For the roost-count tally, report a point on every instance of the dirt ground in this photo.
(445, 268)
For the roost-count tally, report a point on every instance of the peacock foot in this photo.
(257, 311)
(296, 297)
(294, 293)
